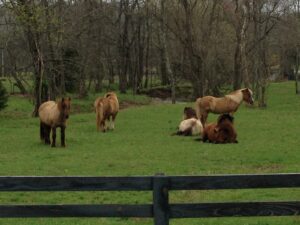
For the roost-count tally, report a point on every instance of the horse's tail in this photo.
(99, 113)
(198, 108)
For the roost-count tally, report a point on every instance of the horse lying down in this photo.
(190, 127)
(221, 132)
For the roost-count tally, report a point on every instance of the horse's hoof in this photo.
(53, 146)
(63, 146)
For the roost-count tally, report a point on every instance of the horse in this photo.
(52, 115)
(221, 132)
(227, 104)
(189, 112)
(190, 127)
(106, 108)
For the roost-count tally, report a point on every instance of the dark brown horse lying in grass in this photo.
(221, 132)
(106, 108)
(227, 104)
(52, 115)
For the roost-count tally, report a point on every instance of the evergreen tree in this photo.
(3, 97)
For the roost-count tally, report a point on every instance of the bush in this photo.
(3, 96)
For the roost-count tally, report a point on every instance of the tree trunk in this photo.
(165, 68)
(195, 60)
(148, 37)
(19, 83)
(297, 70)
(52, 66)
(241, 17)
(124, 46)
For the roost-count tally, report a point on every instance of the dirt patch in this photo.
(183, 93)
(77, 108)
(129, 104)
(270, 168)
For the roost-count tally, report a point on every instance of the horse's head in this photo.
(248, 96)
(65, 107)
(189, 112)
(225, 117)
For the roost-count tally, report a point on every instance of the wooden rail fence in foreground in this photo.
(160, 185)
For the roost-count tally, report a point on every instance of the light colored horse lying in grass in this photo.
(190, 127)
(106, 108)
(227, 104)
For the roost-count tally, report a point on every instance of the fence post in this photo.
(160, 200)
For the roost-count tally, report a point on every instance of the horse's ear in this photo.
(69, 98)
(62, 99)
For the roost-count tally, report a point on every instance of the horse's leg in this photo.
(97, 122)
(188, 132)
(102, 125)
(113, 120)
(108, 123)
(53, 136)
(47, 130)
(203, 118)
(42, 131)
(62, 136)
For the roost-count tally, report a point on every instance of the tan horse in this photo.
(106, 108)
(227, 104)
(52, 115)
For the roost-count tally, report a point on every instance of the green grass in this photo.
(141, 144)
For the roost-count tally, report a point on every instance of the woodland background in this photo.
(53, 47)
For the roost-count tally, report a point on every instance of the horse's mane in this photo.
(61, 104)
(236, 96)
(238, 90)
(110, 94)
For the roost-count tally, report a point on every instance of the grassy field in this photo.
(142, 145)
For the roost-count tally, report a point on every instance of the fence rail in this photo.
(160, 185)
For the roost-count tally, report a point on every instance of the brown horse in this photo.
(221, 132)
(106, 108)
(52, 115)
(189, 112)
(227, 104)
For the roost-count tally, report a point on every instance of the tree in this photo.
(265, 14)
(238, 13)
(165, 67)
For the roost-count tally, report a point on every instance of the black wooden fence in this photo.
(160, 185)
